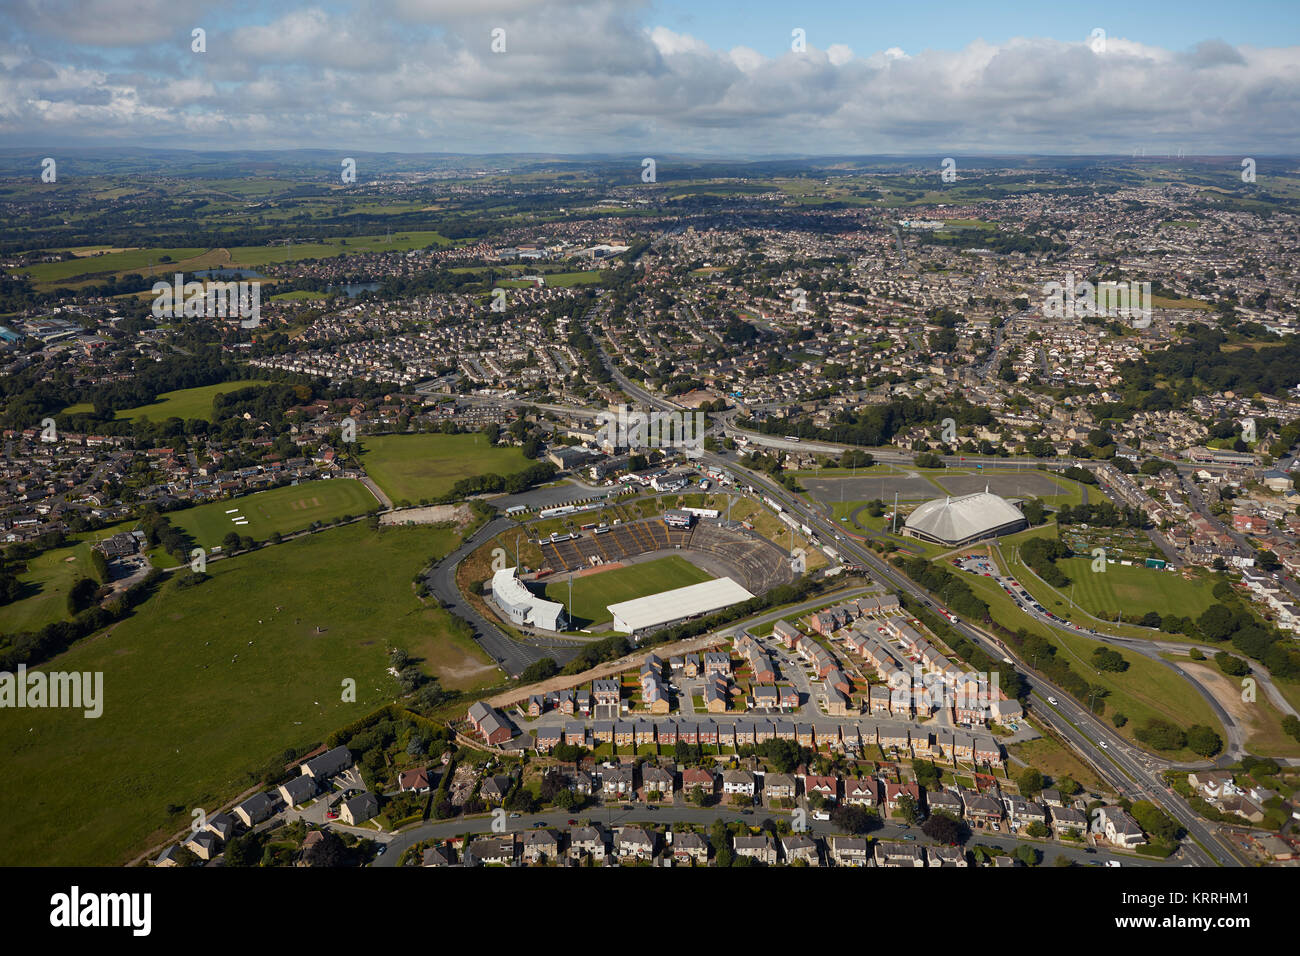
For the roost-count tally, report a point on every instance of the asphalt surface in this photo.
(1131, 771)
(614, 816)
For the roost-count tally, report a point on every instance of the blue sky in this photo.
(658, 77)
(914, 26)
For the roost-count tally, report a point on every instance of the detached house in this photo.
(1121, 829)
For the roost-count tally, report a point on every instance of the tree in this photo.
(231, 541)
(99, 564)
(1068, 786)
(907, 808)
(1106, 659)
(1028, 855)
(330, 851)
(539, 670)
(1030, 781)
(1291, 725)
(245, 850)
(81, 595)
(927, 774)
(1216, 623)
(1157, 824)
(854, 820)
(944, 829)
(1161, 734)
(1203, 740)
(1232, 666)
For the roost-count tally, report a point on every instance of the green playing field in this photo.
(291, 508)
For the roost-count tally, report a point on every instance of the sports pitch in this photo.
(1135, 590)
(291, 508)
(593, 592)
(415, 467)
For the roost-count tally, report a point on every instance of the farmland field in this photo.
(203, 686)
(185, 403)
(291, 508)
(72, 272)
(413, 467)
(591, 594)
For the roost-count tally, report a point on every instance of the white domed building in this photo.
(962, 520)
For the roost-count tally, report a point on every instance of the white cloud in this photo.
(588, 75)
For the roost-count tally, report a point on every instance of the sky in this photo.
(655, 78)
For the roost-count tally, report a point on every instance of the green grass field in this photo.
(413, 467)
(71, 272)
(185, 403)
(291, 508)
(184, 722)
(1146, 689)
(48, 577)
(1135, 590)
(591, 594)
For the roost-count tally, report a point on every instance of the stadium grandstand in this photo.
(756, 562)
(669, 607)
(521, 606)
(958, 521)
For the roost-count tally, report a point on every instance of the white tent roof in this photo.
(666, 606)
(956, 519)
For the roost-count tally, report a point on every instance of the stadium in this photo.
(954, 522)
(737, 562)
